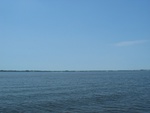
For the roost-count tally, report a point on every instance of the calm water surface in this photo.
(75, 92)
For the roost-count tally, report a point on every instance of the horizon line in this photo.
(72, 70)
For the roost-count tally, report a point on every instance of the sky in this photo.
(74, 34)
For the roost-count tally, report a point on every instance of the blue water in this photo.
(75, 92)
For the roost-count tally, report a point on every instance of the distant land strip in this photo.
(70, 70)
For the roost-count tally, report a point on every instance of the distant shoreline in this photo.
(70, 70)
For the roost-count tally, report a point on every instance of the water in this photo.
(75, 92)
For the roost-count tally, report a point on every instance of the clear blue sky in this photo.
(74, 34)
